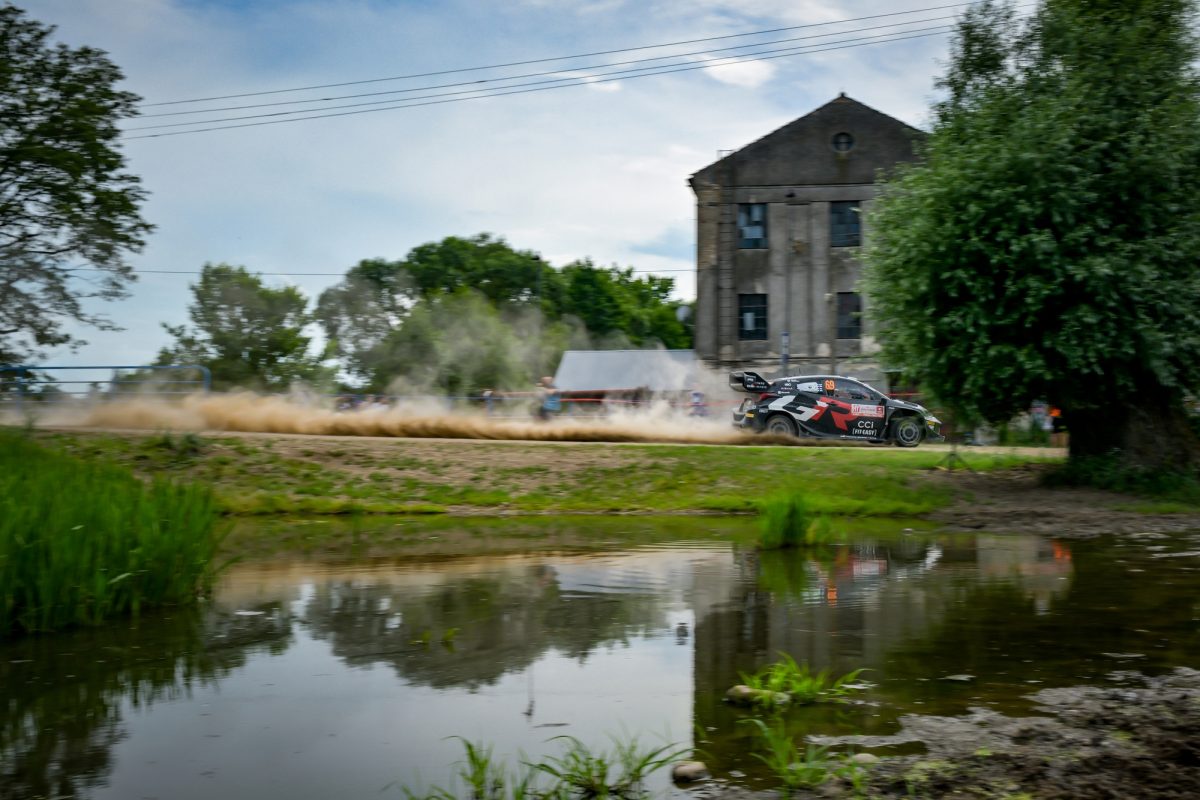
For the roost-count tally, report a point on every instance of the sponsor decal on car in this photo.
(864, 427)
(866, 411)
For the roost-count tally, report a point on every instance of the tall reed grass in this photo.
(83, 542)
(787, 521)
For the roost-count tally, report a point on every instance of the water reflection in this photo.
(65, 696)
(467, 628)
(352, 675)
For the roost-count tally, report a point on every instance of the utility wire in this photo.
(323, 274)
(555, 58)
(582, 81)
(562, 71)
(572, 80)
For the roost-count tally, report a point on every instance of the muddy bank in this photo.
(1015, 501)
(1137, 737)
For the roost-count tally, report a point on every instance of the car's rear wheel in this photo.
(781, 425)
(907, 431)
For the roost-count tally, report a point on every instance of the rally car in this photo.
(830, 407)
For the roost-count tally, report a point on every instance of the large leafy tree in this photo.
(66, 202)
(249, 335)
(1048, 245)
(511, 313)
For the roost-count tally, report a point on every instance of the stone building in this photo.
(779, 224)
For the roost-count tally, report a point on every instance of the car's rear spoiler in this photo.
(746, 381)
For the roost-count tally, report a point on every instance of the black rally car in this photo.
(831, 407)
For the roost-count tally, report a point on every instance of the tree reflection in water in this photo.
(64, 692)
(469, 632)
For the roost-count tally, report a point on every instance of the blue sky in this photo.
(593, 171)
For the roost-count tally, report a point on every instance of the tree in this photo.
(247, 334)
(1047, 246)
(65, 202)
(512, 312)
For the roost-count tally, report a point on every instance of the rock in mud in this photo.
(741, 695)
(689, 771)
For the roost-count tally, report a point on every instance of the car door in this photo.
(829, 418)
(867, 415)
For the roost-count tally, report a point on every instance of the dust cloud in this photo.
(250, 413)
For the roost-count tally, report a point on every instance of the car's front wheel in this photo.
(907, 431)
(782, 425)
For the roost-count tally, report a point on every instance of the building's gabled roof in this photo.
(626, 370)
(802, 153)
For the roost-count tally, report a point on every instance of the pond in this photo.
(319, 676)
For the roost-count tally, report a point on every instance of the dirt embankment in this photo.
(1015, 501)
(1139, 737)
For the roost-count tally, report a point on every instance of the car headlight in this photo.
(930, 419)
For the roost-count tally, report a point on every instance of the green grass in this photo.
(801, 685)
(83, 542)
(254, 476)
(793, 767)
(787, 523)
(577, 773)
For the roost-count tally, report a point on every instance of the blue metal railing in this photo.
(24, 379)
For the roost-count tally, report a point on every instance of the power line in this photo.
(561, 71)
(322, 274)
(572, 80)
(554, 58)
(560, 85)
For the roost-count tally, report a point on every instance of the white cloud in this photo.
(747, 74)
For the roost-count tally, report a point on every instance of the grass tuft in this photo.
(788, 522)
(799, 683)
(578, 773)
(83, 542)
(793, 767)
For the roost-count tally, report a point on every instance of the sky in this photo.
(594, 170)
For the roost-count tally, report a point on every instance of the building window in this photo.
(843, 142)
(752, 316)
(844, 228)
(849, 315)
(752, 225)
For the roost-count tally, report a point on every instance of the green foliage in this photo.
(248, 334)
(793, 768)
(621, 773)
(787, 522)
(67, 202)
(462, 315)
(1046, 246)
(578, 773)
(84, 542)
(785, 676)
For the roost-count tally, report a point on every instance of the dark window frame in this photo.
(849, 315)
(757, 305)
(745, 220)
(845, 223)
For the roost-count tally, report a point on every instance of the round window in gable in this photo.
(843, 142)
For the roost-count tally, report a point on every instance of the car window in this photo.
(854, 392)
(809, 386)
